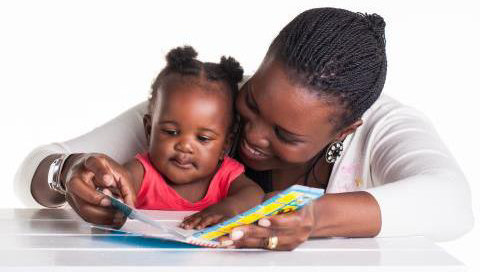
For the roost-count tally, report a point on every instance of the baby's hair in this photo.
(337, 54)
(182, 61)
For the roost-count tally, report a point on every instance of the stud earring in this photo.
(334, 151)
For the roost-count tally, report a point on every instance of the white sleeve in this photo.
(419, 186)
(120, 138)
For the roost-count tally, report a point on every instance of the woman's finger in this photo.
(282, 221)
(283, 242)
(104, 177)
(109, 173)
(86, 192)
(126, 189)
(291, 220)
(91, 213)
(251, 231)
(259, 237)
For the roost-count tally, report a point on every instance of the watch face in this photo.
(53, 177)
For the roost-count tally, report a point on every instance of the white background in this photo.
(66, 67)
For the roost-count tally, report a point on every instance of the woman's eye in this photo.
(171, 132)
(284, 138)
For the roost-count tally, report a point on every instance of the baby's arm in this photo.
(243, 194)
(136, 171)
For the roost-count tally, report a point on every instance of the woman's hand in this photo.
(86, 173)
(290, 229)
(352, 214)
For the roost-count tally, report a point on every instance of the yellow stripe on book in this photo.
(228, 228)
(270, 208)
(288, 197)
(212, 235)
(251, 218)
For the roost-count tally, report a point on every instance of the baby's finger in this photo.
(190, 216)
(192, 222)
(209, 220)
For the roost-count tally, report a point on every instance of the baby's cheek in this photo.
(210, 159)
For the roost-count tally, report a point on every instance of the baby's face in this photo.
(189, 131)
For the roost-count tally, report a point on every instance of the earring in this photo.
(334, 151)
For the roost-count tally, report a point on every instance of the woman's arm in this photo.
(120, 139)
(420, 188)
(353, 214)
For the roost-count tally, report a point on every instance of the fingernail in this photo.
(236, 234)
(108, 180)
(105, 202)
(107, 192)
(226, 243)
(264, 222)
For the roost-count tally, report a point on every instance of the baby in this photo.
(189, 127)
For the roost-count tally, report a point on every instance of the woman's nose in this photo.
(256, 134)
(184, 146)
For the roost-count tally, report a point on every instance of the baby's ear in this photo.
(147, 126)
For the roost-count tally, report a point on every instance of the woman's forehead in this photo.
(289, 105)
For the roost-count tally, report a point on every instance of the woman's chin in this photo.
(256, 164)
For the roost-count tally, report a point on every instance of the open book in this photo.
(289, 200)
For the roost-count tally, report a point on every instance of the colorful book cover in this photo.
(289, 200)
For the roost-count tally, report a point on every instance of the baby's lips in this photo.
(183, 159)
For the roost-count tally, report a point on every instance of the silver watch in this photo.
(54, 173)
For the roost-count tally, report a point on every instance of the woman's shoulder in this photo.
(388, 117)
(388, 110)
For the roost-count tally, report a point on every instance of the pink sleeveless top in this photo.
(155, 194)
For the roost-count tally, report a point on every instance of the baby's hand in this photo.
(209, 216)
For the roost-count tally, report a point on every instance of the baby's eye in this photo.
(203, 139)
(171, 132)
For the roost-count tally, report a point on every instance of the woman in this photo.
(312, 114)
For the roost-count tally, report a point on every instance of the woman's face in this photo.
(283, 124)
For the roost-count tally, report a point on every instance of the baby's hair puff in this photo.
(183, 61)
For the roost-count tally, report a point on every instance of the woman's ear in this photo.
(349, 130)
(147, 126)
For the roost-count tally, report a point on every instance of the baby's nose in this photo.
(184, 146)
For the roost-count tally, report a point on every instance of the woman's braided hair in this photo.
(337, 54)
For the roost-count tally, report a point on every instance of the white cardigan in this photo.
(396, 155)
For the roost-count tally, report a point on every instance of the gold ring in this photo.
(272, 242)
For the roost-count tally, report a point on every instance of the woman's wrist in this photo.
(353, 214)
(40, 188)
(70, 162)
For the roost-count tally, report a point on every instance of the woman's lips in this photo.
(251, 152)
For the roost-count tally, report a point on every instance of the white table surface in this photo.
(57, 240)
